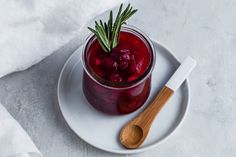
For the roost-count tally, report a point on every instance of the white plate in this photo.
(101, 130)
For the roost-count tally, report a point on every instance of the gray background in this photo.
(204, 29)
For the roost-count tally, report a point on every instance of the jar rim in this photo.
(121, 85)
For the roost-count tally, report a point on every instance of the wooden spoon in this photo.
(135, 132)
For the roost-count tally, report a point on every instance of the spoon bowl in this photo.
(132, 135)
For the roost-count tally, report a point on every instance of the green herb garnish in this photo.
(108, 33)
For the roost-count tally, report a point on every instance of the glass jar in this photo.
(117, 97)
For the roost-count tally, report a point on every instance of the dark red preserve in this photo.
(118, 82)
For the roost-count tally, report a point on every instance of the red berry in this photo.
(97, 61)
(135, 66)
(116, 78)
(125, 51)
(132, 57)
(132, 67)
(124, 57)
(131, 78)
(110, 63)
(123, 65)
(139, 65)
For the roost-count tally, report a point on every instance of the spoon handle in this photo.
(181, 73)
(146, 118)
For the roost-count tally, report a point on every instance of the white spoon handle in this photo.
(181, 73)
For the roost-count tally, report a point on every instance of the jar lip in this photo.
(121, 85)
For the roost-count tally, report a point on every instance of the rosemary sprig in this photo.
(107, 33)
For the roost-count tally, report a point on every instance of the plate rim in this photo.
(127, 151)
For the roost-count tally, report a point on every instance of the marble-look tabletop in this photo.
(203, 29)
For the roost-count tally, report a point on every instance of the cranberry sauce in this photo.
(129, 60)
(129, 63)
(115, 101)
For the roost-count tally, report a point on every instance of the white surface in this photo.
(32, 30)
(101, 130)
(203, 29)
(14, 141)
(181, 73)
